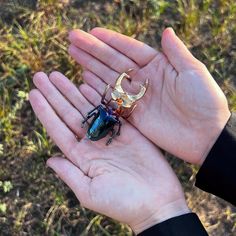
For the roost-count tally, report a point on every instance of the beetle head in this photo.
(122, 97)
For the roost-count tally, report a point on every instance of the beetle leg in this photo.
(89, 115)
(87, 118)
(114, 134)
(108, 102)
(126, 117)
(118, 131)
(93, 110)
(104, 94)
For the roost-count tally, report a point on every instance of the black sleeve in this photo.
(217, 175)
(184, 225)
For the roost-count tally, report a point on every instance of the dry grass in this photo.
(33, 37)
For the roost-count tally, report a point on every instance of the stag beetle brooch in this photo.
(106, 115)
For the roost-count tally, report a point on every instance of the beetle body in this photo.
(102, 123)
(106, 115)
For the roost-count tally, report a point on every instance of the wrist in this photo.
(173, 209)
(213, 134)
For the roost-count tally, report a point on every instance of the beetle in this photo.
(106, 115)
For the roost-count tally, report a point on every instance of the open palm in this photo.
(128, 180)
(183, 110)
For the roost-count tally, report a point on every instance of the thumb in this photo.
(73, 177)
(177, 53)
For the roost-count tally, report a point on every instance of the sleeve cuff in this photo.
(217, 175)
(184, 225)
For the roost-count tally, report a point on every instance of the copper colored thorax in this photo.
(122, 97)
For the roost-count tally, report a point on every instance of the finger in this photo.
(73, 177)
(69, 90)
(137, 51)
(100, 50)
(177, 53)
(56, 129)
(63, 108)
(94, 81)
(92, 64)
(90, 94)
(108, 75)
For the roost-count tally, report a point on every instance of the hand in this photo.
(128, 180)
(183, 111)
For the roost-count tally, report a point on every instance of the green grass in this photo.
(33, 37)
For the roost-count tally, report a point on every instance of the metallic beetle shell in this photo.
(101, 125)
(128, 99)
(106, 115)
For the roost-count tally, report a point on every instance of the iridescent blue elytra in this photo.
(102, 123)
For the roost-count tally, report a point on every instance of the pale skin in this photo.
(130, 180)
(184, 109)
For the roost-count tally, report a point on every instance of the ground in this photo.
(33, 37)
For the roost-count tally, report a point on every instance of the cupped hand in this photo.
(129, 180)
(183, 111)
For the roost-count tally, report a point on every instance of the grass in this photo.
(33, 37)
